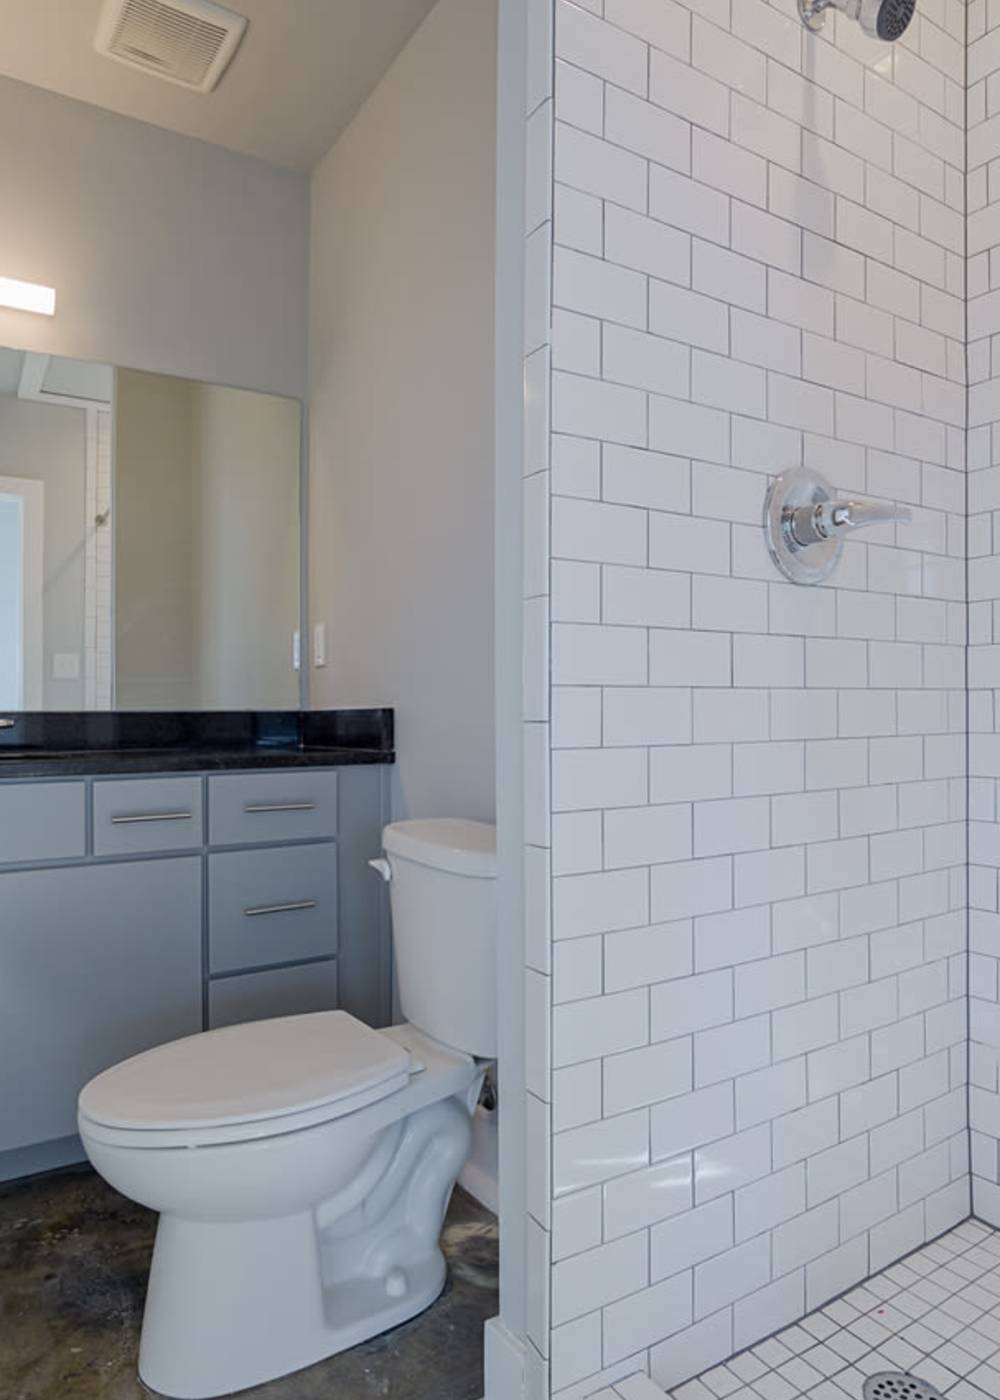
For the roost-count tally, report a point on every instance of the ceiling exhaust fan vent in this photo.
(190, 42)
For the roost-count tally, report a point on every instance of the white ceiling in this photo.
(303, 70)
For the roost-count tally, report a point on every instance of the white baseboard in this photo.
(503, 1363)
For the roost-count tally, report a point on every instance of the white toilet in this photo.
(302, 1166)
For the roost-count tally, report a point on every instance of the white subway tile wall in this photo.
(745, 800)
(984, 612)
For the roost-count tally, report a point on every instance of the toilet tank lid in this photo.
(446, 843)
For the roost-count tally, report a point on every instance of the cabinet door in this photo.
(96, 964)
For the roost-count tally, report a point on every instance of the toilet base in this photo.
(231, 1305)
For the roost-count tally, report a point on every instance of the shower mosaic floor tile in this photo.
(936, 1314)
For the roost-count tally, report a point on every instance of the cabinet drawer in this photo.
(275, 906)
(149, 814)
(42, 821)
(292, 805)
(285, 991)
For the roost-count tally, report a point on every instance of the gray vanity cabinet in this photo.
(96, 964)
(134, 910)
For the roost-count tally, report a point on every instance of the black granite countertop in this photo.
(43, 764)
(50, 745)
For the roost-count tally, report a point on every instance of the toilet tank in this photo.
(442, 892)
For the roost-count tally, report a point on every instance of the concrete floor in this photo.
(73, 1262)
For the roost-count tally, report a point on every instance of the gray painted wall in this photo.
(207, 545)
(154, 545)
(246, 481)
(402, 411)
(166, 253)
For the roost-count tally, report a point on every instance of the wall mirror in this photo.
(149, 540)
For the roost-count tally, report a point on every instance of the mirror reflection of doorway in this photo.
(21, 545)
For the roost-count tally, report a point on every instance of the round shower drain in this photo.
(899, 1385)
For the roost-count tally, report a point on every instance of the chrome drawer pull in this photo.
(280, 908)
(153, 817)
(280, 807)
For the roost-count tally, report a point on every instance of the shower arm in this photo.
(828, 520)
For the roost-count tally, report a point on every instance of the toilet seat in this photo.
(242, 1082)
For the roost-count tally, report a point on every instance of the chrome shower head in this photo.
(880, 19)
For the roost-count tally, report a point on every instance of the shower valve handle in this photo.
(826, 520)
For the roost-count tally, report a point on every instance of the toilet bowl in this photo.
(302, 1166)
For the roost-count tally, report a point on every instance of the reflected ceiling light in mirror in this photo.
(27, 296)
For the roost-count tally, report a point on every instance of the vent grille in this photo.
(190, 42)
